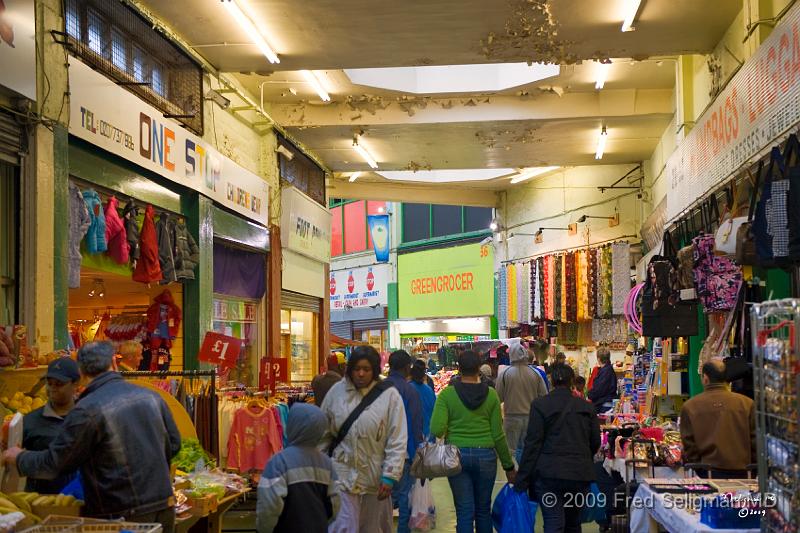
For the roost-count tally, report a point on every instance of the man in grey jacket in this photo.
(518, 386)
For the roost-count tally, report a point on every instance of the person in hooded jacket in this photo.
(467, 415)
(297, 492)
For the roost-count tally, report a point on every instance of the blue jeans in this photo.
(472, 490)
(558, 503)
(401, 493)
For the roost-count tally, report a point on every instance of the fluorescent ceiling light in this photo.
(601, 74)
(601, 143)
(364, 154)
(631, 9)
(315, 83)
(354, 176)
(250, 29)
(447, 175)
(528, 173)
(453, 78)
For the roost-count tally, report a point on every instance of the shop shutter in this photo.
(342, 329)
(10, 139)
(299, 302)
(372, 323)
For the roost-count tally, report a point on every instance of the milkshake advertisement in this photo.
(379, 230)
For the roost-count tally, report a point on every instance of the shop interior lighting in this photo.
(528, 173)
(601, 74)
(381, 210)
(363, 153)
(354, 176)
(250, 29)
(612, 220)
(601, 143)
(98, 289)
(631, 10)
(316, 84)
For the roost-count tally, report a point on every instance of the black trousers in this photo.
(165, 517)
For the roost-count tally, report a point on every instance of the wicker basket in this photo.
(69, 524)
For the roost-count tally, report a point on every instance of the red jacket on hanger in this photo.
(171, 314)
(148, 267)
(115, 233)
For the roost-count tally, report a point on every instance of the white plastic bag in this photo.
(423, 510)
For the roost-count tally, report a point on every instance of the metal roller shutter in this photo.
(299, 302)
(10, 139)
(373, 323)
(342, 329)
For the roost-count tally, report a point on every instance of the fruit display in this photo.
(21, 403)
(7, 352)
(190, 455)
(35, 506)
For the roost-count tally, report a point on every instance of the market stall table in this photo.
(650, 509)
(210, 522)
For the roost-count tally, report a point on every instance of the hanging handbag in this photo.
(716, 278)
(767, 219)
(745, 238)
(725, 236)
(436, 459)
(686, 259)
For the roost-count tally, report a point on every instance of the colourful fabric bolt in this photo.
(621, 276)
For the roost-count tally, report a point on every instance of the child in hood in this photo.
(297, 490)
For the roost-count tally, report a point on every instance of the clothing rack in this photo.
(620, 239)
(174, 373)
(106, 193)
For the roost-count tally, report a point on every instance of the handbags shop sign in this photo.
(759, 105)
(449, 282)
(116, 120)
(356, 288)
(305, 226)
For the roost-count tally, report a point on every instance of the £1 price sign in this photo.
(220, 350)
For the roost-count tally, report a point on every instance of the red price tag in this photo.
(274, 371)
(220, 350)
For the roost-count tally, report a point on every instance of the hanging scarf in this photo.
(621, 276)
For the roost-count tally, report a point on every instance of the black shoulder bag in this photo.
(366, 401)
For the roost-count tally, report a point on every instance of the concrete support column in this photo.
(684, 95)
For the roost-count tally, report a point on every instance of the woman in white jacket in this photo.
(369, 460)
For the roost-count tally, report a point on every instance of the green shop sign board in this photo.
(448, 282)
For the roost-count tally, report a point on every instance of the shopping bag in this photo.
(436, 459)
(512, 511)
(592, 510)
(423, 509)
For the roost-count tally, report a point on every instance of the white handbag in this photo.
(725, 237)
(436, 459)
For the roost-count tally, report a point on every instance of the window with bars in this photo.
(301, 172)
(424, 222)
(117, 41)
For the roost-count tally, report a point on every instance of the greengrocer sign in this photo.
(448, 282)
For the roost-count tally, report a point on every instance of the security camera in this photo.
(285, 152)
(216, 97)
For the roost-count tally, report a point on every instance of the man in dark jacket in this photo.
(604, 386)
(399, 370)
(40, 427)
(322, 383)
(563, 436)
(121, 437)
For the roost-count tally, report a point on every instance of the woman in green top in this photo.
(467, 413)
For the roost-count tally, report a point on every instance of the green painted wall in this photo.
(197, 295)
(60, 236)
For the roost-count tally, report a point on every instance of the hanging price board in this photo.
(274, 371)
(220, 350)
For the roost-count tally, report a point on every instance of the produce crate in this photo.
(43, 511)
(69, 524)
(203, 506)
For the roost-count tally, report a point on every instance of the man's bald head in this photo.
(714, 370)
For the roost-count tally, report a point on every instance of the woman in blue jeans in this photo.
(467, 414)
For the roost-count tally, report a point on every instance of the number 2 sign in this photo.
(220, 350)
(274, 371)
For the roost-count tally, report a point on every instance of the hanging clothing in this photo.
(511, 273)
(254, 439)
(621, 276)
(79, 222)
(116, 239)
(166, 254)
(502, 299)
(96, 235)
(186, 252)
(148, 267)
(164, 316)
(129, 218)
(591, 279)
(570, 287)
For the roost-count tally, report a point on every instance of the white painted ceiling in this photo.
(550, 122)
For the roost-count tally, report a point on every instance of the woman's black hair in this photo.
(562, 375)
(469, 363)
(371, 355)
(418, 369)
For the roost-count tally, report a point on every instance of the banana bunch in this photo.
(19, 502)
(58, 500)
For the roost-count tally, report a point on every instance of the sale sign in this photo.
(220, 350)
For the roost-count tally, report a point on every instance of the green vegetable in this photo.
(190, 453)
